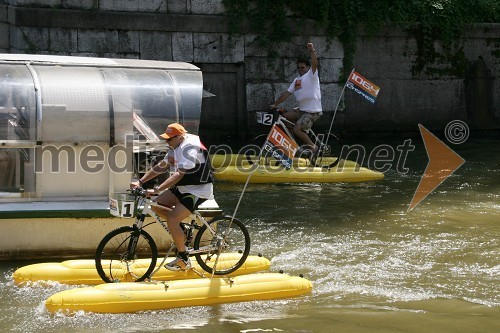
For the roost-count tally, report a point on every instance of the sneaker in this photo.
(179, 264)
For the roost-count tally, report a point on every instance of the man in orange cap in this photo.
(189, 185)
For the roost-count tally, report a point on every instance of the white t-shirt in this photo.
(307, 91)
(185, 157)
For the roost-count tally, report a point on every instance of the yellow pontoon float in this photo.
(83, 271)
(236, 168)
(132, 297)
(267, 174)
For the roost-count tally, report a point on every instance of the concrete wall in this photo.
(197, 32)
(4, 29)
(432, 99)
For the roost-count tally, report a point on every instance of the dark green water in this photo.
(375, 266)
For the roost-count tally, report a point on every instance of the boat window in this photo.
(75, 106)
(17, 103)
(18, 127)
(79, 107)
(159, 97)
(154, 95)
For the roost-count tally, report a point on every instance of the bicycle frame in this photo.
(326, 142)
(205, 239)
(147, 205)
(283, 123)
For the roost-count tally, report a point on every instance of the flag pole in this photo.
(245, 187)
(237, 206)
(248, 179)
(338, 102)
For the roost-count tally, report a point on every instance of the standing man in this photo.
(189, 185)
(307, 91)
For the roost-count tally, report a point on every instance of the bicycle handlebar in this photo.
(279, 110)
(138, 191)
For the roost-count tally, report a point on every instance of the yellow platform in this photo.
(274, 174)
(224, 160)
(133, 297)
(84, 272)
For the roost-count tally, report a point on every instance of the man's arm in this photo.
(281, 99)
(156, 170)
(314, 57)
(171, 181)
(150, 174)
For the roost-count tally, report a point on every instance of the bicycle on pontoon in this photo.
(129, 253)
(326, 156)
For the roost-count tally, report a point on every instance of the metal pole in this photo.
(338, 103)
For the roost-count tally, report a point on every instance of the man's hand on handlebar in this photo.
(152, 191)
(144, 192)
(136, 186)
(275, 108)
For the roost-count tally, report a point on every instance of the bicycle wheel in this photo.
(114, 260)
(329, 154)
(230, 236)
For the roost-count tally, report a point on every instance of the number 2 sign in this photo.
(264, 118)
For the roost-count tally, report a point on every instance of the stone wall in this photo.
(197, 32)
(432, 99)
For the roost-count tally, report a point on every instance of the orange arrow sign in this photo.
(442, 163)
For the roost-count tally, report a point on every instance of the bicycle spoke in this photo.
(115, 263)
(231, 241)
(329, 152)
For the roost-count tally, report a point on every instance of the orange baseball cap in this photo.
(172, 130)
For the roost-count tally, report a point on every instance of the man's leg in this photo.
(291, 115)
(295, 117)
(304, 124)
(173, 216)
(299, 132)
(166, 200)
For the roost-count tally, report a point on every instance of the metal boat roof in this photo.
(41, 59)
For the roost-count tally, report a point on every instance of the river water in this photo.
(374, 265)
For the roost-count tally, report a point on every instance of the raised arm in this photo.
(314, 58)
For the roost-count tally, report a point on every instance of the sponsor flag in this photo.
(362, 86)
(280, 146)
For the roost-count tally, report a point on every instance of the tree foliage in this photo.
(428, 21)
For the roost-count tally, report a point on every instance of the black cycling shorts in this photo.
(188, 200)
